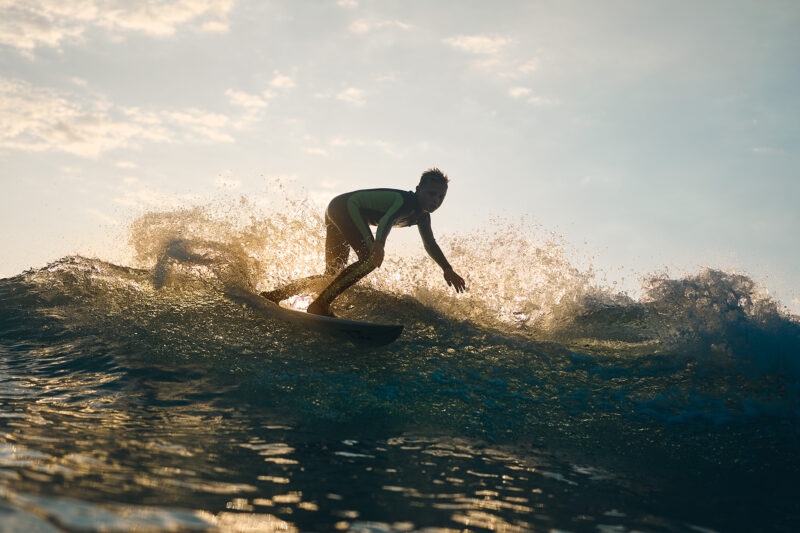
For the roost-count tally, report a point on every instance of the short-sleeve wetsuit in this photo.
(347, 221)
(349, 216)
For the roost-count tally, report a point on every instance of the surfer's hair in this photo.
(433, 175)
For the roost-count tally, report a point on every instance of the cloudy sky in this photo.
(651, 135)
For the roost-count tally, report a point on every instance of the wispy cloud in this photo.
(199, 125)
(246, 100)
(767, 150)
(39, 119)
(215, 26)
(478, 44)
(281, 81)
(526, 94)
(529, 66)
(499, 56)
(518, 92)
(391, 77)
(162, 17)
(27, 24)
(514, 68)
(493, 53)
(347, 3)
(253, 106)
(542, 101)
(496, 55)
(353, 96)
(362, 26)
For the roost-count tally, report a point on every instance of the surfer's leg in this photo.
(346, 279)
(339, 217)
(309, 284)
(337, 250)
(343, 234)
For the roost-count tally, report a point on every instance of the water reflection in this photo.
(206, 466)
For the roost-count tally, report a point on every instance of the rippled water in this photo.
(143, 399)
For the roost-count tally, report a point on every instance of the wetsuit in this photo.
(347, 222)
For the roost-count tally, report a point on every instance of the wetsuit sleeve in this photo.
(355, 216)
(387, 220)
(429, 242)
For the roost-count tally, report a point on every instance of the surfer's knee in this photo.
(372, 262)
(367, 262)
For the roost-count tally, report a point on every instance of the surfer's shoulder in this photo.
(379, 198)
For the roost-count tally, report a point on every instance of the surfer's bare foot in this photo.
(272, 296)
(317, 308)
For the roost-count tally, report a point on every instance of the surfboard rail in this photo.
(353, 330)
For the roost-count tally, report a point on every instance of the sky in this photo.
(651, 136)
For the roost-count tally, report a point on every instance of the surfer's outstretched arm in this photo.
(450, 276)
(454, 280)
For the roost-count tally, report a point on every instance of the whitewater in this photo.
(138, 397)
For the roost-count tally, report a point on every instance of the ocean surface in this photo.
(143, 399)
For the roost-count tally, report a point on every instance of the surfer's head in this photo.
(432, 189)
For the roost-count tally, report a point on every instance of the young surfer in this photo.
(347, 221)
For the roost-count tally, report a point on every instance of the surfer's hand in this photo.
(454, 280)
(376, 257)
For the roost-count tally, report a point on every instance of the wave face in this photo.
(143, 398)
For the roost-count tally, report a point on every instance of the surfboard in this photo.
(353, 330)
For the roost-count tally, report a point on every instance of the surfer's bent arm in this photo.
(387, 220)
(450, 276)
(377, 200)
(382, 231)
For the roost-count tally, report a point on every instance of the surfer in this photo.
(347, 221)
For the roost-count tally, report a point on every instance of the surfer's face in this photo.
(430, 196)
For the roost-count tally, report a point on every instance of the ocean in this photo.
(142, 399)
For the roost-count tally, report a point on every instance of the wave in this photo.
(147, 385)
(534, 344)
